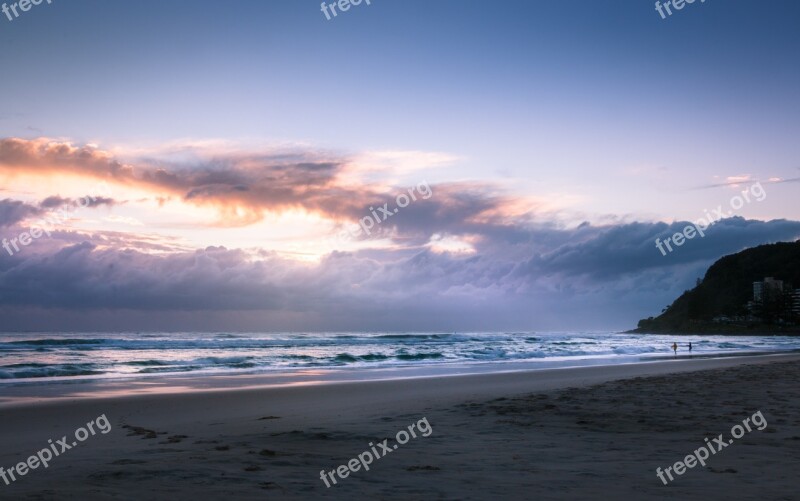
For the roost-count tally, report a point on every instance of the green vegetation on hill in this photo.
(725, 291)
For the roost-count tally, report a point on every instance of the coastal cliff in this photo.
(723, 301)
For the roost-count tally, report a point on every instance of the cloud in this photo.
(242, 187)
(737, 181)
(235, 184)
(630, 248)
(509, 283)
(90, 201)
(14, 211)
(523, 270)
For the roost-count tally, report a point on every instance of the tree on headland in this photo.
(727, 288)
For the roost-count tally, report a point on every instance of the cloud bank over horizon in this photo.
(207, 238)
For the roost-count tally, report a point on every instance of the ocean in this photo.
(72, 356)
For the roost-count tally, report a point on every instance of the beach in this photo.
(399, 250)
(566, 433)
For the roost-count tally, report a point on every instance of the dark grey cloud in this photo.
(90, 201)
(631, 248)
(551, 278)
(14, 211)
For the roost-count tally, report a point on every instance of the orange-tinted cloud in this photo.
(242, 187)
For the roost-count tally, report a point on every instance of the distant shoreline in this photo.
(722, 330)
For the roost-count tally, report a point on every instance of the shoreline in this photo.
(457, 386)
(20, 393)
(91, 360)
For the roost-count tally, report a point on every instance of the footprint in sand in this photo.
(174, 439)
(143, 432)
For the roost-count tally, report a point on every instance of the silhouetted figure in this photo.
(690, 346)
(675, 348)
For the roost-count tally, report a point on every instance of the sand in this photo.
(578, 433)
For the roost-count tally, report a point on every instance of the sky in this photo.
(208, 166)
